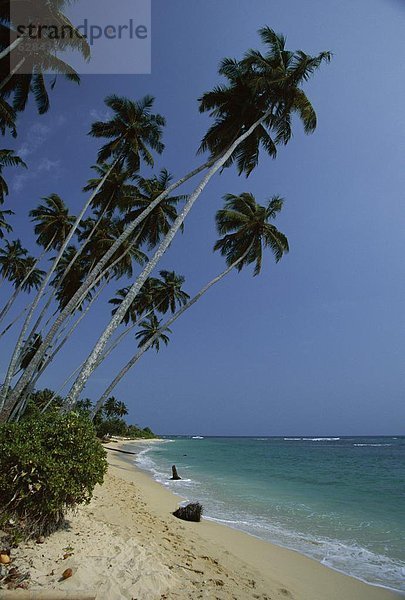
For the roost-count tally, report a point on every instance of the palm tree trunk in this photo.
(11, 47)
(11, 74)
(169, 322)
(81, 292)
(9, 326)
(17, 350)
(92, 360)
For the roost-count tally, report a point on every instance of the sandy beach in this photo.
(126, 544)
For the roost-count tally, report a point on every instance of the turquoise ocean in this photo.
(339, 500)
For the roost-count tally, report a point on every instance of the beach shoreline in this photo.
(144, 552)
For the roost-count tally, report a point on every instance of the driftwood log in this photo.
(191, 512)
(175, 476)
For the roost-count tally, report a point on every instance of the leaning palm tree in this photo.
(247, 231)
(273, 102)
(260, 84)
(134, 130)
(8, 159)
(272, 105)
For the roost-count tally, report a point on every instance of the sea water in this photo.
(339, 500)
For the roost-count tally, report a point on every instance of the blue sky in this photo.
(315, 344)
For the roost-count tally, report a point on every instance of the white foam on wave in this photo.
(352, 560)
(315, 439)
(375, 445)
(322, 439)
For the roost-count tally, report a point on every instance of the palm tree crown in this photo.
(133, 130)
(159, 221)
(8, 159)
(12, 260)
(22, 70)
(151, 327)
(258, 86)
(246, 229)
(53, 222)
(116, 193)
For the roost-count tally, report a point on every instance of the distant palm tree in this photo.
(247, 232)
(134, 131)
(7, 159)
(151, 329)
(157, 224)
(53, 222)
(4, 226)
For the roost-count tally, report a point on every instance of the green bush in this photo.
(48, 464)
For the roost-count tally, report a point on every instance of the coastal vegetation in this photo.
(112, 247)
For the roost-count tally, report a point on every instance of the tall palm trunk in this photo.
(24, 330)
(81, 292)
(92, 360)
(169, 322)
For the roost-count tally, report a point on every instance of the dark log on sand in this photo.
(191, 512)
(175, 476)
(117, 450)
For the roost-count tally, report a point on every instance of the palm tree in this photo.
(151, 329)
(256, 85)
(116, 193)
(169, 292)
(272, 104)
(25, 276)
(8, 159)
(7, 118)
(276, 106)
(28, 277)
(134, 131)
(53, 222)
(133, 128)
(4, 226)
(247, 232)
(157, 224)
(37, 55)
(12, 258)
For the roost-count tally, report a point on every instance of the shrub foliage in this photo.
(48, 464)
